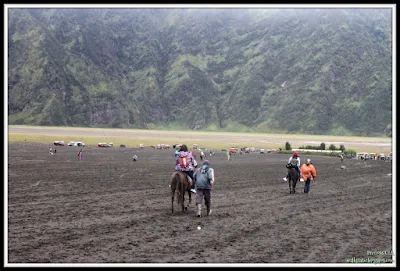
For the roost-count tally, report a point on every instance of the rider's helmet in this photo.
(295, 154)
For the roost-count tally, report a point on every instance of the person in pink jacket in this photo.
(185, 162)
(308, 173)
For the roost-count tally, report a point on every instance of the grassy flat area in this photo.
(217, 140)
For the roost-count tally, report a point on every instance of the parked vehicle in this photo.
(233, 150)
(59, 143)
(76, 144)
(104, 145)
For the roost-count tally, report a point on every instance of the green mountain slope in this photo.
(321, 71)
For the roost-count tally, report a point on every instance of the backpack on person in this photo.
(184, 161)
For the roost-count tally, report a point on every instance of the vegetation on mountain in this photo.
(316, 71)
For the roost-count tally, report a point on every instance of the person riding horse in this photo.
(186, 163)
(294, 161)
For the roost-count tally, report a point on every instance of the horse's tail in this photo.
(181, 187)
(175, 187)
(175, 182)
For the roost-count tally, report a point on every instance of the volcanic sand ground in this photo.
(109, 209)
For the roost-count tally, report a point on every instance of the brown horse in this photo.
(180, 184)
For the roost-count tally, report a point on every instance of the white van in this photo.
(76, 144)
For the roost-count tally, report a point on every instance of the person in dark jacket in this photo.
(204, 180)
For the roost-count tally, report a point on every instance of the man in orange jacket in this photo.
(308, 173)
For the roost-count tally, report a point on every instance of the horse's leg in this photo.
(294, 185)
(290, 185)
(172, 200)
(183, 201)
(182, 195)
(190, 199)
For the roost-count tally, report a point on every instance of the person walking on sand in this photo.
(204, 181)
(202, 155)
(308, 173)
(228, 154)
(80, 155)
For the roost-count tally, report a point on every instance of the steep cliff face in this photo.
(296, 70)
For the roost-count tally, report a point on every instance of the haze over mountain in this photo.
(317, 71)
